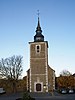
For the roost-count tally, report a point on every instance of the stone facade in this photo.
(38, 64)
(51, 79)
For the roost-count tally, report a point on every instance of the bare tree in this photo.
(11, 69)
(65, 73)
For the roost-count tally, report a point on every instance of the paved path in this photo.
(11, 96)
(55, 96)
(42, 96)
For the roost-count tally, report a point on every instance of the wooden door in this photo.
(38, 87)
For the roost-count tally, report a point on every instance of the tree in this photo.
(65, 73)
(66, 80)
(11, 69)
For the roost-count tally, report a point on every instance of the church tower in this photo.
(40, 77)
(38, 62)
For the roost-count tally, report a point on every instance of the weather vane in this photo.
(38, 13)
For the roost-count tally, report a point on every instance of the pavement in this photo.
(40, 96)
(13, 96)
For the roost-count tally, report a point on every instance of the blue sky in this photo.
(18, 22)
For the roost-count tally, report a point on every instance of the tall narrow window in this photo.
(37, 48)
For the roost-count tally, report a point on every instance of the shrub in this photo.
(26, 96)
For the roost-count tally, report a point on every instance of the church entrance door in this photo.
(38, 87)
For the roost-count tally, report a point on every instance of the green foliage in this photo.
(26, 96)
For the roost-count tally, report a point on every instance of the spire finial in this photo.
(38, 13)
(38, 29)
(38, 26)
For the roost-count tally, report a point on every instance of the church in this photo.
(40, 76)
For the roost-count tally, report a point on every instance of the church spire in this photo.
(38, 37)
(38, 29)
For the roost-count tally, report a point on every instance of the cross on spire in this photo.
(38, 13)
(38, 26)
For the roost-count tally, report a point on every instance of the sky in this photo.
(18, 22)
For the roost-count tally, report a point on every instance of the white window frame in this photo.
(35, 86)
